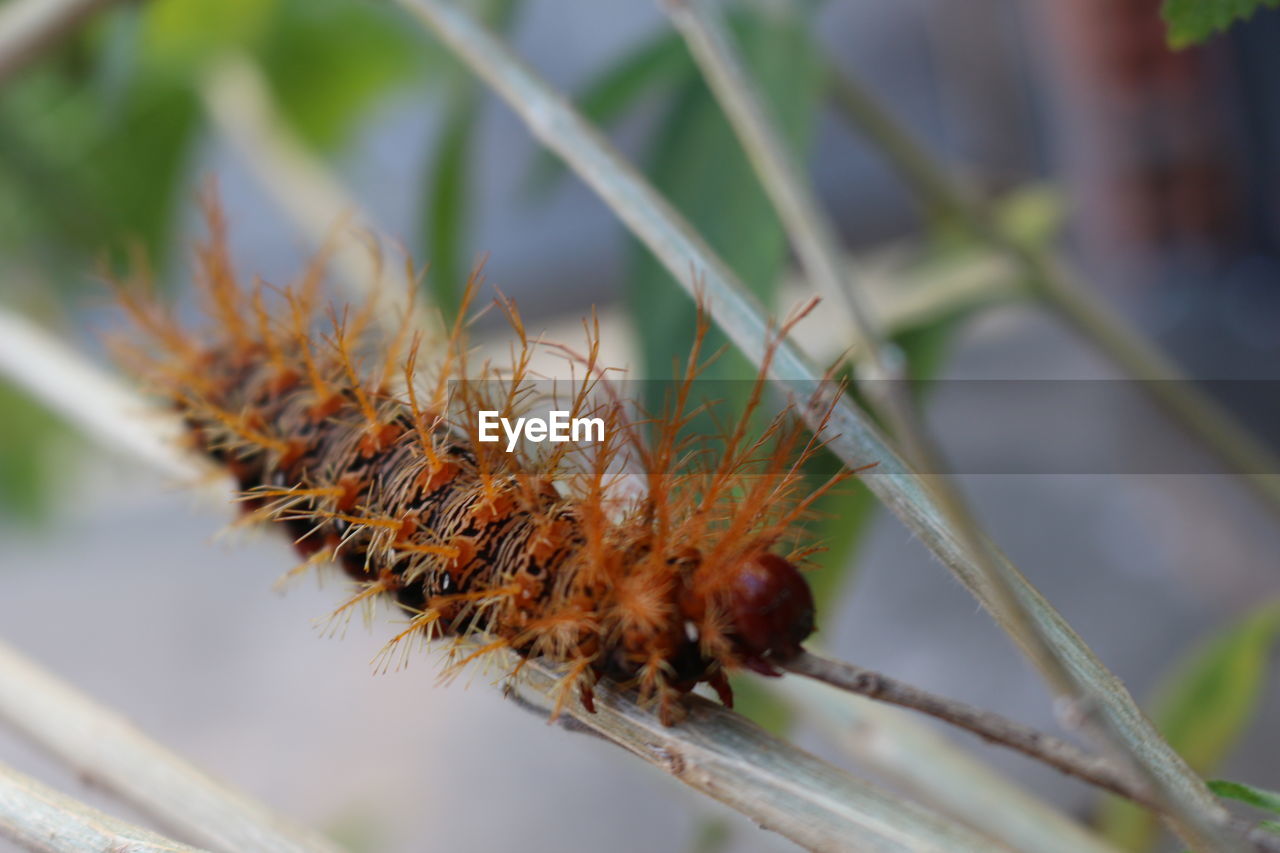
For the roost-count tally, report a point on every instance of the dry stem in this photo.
(30, 27)
(1048, 277)
(988, 725)
(1069, 665)
(36, 817)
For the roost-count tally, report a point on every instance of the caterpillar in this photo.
(371, 459)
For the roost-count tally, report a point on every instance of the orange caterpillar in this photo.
(367, 461)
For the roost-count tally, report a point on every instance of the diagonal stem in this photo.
(1074, 670)
(997, 729)
(36, 817)
(30, 27)
(715, 751)
(1049, 279)
(814, 237)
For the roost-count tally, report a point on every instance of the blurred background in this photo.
(1074, 125)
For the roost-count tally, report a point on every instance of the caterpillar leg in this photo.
(719, 682)
(569, 724)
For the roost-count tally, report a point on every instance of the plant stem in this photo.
(1071, 668)
(927, 764)
(36, 817)
(238, 101)
(30, 27)
(1234, 444)
(105, 748)
(988, 725)
(726, 756)
(942, 194)
(1071, 300)
(810, 232)
(997, 729)
(814, 238)
(715, 751)
(88, 396)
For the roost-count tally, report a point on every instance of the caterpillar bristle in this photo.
(371, 456)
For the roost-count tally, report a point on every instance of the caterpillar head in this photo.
(770, 610)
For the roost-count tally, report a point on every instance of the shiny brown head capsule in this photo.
(771, 609)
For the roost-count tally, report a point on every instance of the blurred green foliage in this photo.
(448, 186)
(1203, 707)
(693, 158)
(29, 435)
(1257, 797)
(98, 138)
(1192, 21)
(98, 141)
(330, 61)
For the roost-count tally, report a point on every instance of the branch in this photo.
(107, 749)
(89, 397)
(943, 195)
(988, 725)
(36, 817)
(715, 751)
(1069, 666)
(810, 231)
(29, 27)
(994, 728)
(921, 761)
(813, 236)
(726, 756)
(238, 100)
(1235, 445)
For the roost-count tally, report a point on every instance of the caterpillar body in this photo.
(379, 470)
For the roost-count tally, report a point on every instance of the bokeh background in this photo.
(1153, 171)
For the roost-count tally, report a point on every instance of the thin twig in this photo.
(1157, 375)
(928, 765)
(943, 195)
(238, 100)
(988, 725)
(811, 233)
(770, 781)
(1197, 815)
(997, 729)
(813, 236)
(88, 396)
(30, 27)
(36, 817)
(726, 756)
(1049, 278)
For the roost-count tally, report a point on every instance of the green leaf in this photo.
(1257, 797)
(29, 439)
(653, 68)
(98, 165)
(1212, 695)
(1032, 215)
(696, 162)
(329, 61)
(1202, 708)
(711, 835)
(139, 162)
(1192, 21)
(181, 36)
(447, 210)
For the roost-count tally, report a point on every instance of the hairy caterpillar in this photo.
(370, 458)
